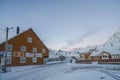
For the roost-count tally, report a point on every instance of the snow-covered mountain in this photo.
(112, 45)
(114, 41)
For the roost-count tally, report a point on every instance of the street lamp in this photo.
(6, 48)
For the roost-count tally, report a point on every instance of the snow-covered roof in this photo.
(83, 50)
(107, 48)
(95, 53)
(112, 50)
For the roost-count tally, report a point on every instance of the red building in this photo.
(24, 49)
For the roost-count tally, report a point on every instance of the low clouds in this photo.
(73, 42)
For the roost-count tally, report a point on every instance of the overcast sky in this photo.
(62, 24)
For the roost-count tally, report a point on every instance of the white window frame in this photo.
(44, 50)
(45, 60)
(2, 61)
(112, 56)
(34, 59)
(119, 56)
(22, 59)
(82, 58)
(8, 60)
(29, 39)
(9, 47)
(34, 49)
(105, 57)
(9, 54)
(38, 55)
(23, 48)
(29, 54)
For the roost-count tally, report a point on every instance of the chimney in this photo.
(18, 30)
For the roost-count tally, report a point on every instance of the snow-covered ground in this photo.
(63, 71)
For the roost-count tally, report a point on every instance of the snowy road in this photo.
(64, 71)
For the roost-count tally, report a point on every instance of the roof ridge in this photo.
(16, 35)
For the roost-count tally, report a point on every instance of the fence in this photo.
(84, 61)
(109, 61)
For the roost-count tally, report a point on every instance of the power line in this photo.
(3, 25)
(1, 29)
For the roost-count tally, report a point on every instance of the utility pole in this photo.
(6, 44)
(6, 48)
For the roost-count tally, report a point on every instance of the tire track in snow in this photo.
(110, 74)
(96, 68)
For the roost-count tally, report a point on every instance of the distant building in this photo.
(24, 49)
(84, 54)
(94, 56)
(109, 57)
(106, 55)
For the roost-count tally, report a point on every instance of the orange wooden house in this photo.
(85, 55)
(24, 49)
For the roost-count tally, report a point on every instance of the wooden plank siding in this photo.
(84, 58)
(21, 40)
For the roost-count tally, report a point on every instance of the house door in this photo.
(45, 60)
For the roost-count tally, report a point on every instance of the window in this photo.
(105, 57)
(1, 53)
(23, 48)
(116, 56)
(9, 54)
(43, 50)
(112, 56)
(34, 60)
(8, 60)
(95, 57)
(38, 54)
(119, 56)
(29, 54)
(29, 39)
(34, 49)
(2, 61)
(22, 60)
(83, 56)
(9, 47)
